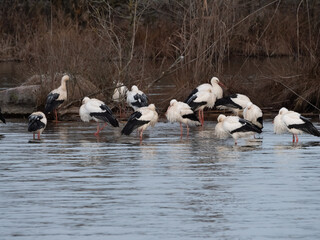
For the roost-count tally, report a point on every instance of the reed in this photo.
(144, 42)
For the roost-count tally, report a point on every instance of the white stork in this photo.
(141, 120)
(94, 109)
(56, 97)
(293, 122)
(253, 114)
(119, 95)
(182, 113)
(37, 123)
(198, 96)
(136, 98)
(234, 126)
(235, 102)
(2, 117)
(214, 87)
(200, 100)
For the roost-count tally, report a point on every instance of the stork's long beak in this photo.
(222, 85)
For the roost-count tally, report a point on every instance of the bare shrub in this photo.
(142, 42)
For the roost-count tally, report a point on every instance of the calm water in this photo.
(72, 185)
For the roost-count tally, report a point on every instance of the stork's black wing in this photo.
(194, 91)
(141, 100)
(194, 105)
(133, 123)
(307, 127)
(52, 102)
(35, 123)
(228, 102)
(246, 127)
(105, 116)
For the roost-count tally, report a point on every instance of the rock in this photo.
(19, 100)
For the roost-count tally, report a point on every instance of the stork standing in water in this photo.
(293, 122)
(235, 102)
(205, 95)
(2, 118)
(119, 95)
(56, 97)
(94, 109)
(214, 86)
(182, 113)
(136, 98)
(37, 123)
(141, 120)
(253, 114)
(234, 126)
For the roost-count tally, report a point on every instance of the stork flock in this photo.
(204, 96)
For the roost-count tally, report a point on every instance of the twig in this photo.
(290, 89)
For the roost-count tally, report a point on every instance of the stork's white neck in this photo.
(63, 85)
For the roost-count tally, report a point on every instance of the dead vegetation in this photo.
(143, 42)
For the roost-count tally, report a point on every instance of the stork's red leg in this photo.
(56, 115)
(103, 126)
(202, 117)
(187, 131)
(39, 135)
(141, 132)
(98, 128)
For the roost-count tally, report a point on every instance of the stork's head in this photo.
(85, 100)
(214, 80)
(249, 105)
(65, 78)
(283, 111)
(173, 101)
(134, 88)
(221, 117)
(152, 107)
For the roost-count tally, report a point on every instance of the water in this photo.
(72, 185)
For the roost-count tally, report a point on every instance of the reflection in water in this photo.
(73, 185)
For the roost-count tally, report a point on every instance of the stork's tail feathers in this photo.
(112, 120)
(128, 129)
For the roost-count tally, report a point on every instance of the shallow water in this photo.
(72, 185)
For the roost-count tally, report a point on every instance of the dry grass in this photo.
(140, 42)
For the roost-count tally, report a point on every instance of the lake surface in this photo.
(73, 185)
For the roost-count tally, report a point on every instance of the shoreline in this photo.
(210, 115)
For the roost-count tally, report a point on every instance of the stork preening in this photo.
(119, 95)
(253, 114)
(94, 109)
(37, 123)
(182, 113)
(293, 122)
(235, 127)
(56, 97)
(2, 117)
(136, 98)
(235, 102)
(141, 120)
